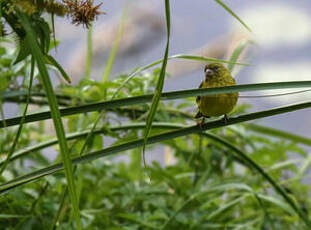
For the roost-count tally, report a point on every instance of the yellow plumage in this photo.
(216, 75)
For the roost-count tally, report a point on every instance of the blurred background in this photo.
(281, 32)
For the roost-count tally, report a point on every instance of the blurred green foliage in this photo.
(196, 183)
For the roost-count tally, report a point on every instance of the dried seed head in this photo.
(82, 11)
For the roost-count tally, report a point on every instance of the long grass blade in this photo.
(165, 96)
(84, 134)
(89, 52)
(19, 131)
(39, 57)
(237, 52)
(159, 87)
(233, 14)
(278, 133)
(114, 50)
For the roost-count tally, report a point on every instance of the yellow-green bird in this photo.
(216, 75)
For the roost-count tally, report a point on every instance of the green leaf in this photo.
(43, 31)
(39, 57)
(233, 14)
(24, 51)
(50, 60)
(159, 87)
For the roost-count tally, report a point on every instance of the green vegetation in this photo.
(233, 175)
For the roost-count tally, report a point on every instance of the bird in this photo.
(216, 75)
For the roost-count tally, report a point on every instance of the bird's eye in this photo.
(216, 68)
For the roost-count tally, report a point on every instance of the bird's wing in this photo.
(198, 98)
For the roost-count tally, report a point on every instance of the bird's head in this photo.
(215, 70)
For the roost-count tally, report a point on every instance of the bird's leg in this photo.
(225, 119)
(201, 123)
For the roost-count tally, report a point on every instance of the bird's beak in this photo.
(209, 73)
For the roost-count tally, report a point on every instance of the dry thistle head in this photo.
(82, 11)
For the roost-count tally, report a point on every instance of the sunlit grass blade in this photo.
(279, 203)
(226, 206)
(304, 167)
(237, 52)
(52, 61)
(114, 50)
(58, 125)
(278, 133)
(177, 56)
(2, 114)
(233, 14)
(275, 95)
(165, 96)
(19, 131)
(160, 83)
(89, 52)
(1, 26)
(53, 29)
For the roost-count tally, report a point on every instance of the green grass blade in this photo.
(85, 134)
(165, 96)
(304, 167)
(233, 14)
(4, 124)
(53, 29)
(1, 26)
(265, 175)
(226, 206)
(39, 57)
(89, 52)
(278, 133)
(237, 52)
(277, 202)
(52, 61)
(159, 87)
(19, 131)
(114, 50)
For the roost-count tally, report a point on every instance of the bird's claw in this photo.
(225, 119)
(201, 123)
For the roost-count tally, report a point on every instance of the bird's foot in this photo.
(225, 119)
(201, 123)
